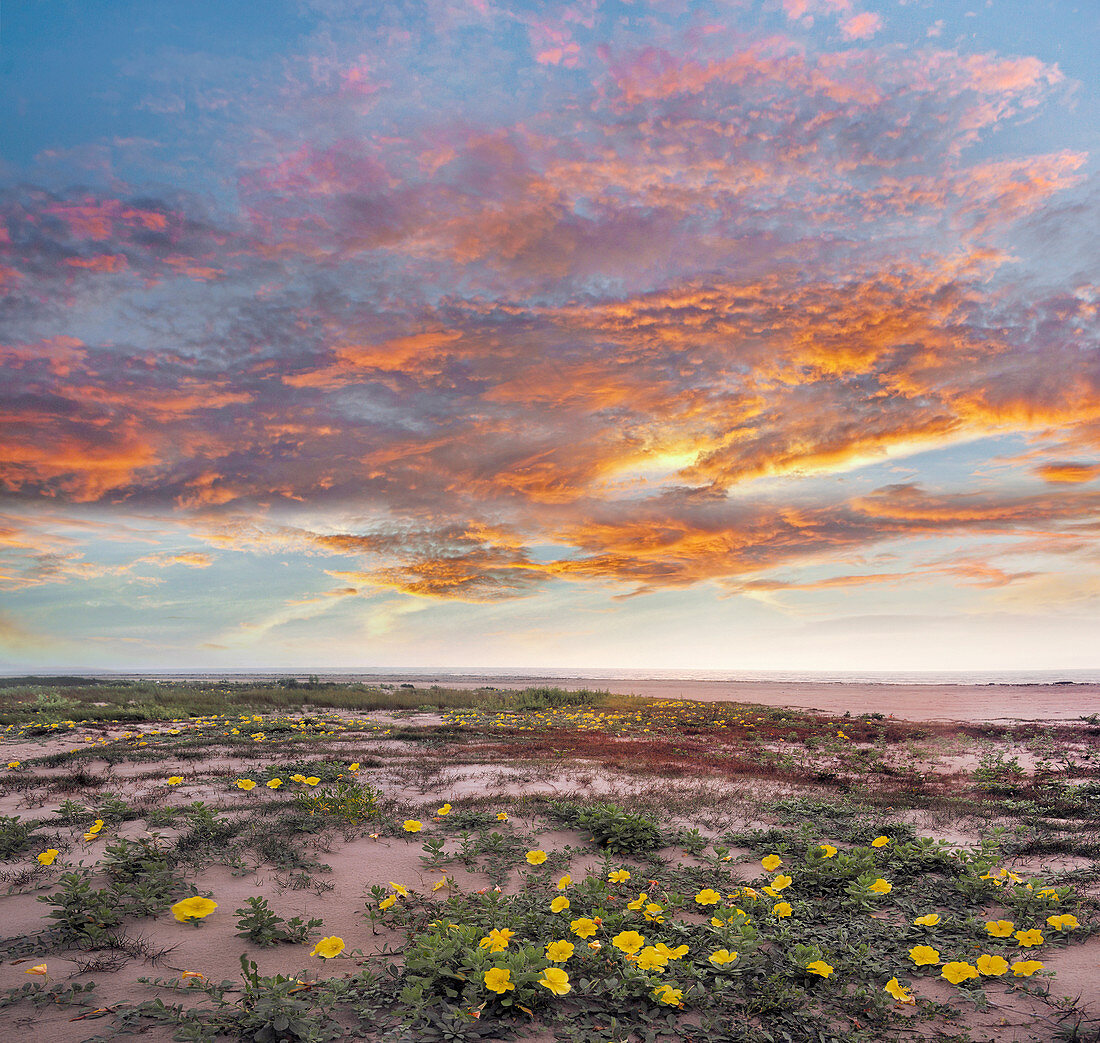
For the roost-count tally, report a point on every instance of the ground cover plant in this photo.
(548, 868)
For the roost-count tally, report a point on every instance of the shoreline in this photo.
(957, 702)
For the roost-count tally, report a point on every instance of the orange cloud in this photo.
(397, 355)
(98, 219)
(99, 263)
(82, 469)
(1068, 473)
(60, 354)
(192, 559)
(908, 503)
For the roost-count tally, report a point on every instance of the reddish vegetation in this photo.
(655, 756)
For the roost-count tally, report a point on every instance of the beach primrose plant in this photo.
(832, 927)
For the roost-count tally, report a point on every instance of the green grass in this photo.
(44, 701)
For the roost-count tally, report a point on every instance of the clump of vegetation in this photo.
(349, 801)
(261, 925)
(613, 828)
(15, 835)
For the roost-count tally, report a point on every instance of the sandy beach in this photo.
(360, 830)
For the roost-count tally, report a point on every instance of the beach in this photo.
(332, 832)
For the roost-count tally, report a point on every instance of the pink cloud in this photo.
(990, 75)
(795, 9)
(554, 44)
(567, 55)
(861, 26)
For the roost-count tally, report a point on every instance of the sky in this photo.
(652, 335)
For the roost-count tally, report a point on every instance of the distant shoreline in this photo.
(532, 675)
(1024, 700)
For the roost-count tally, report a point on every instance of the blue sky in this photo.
(757, 335)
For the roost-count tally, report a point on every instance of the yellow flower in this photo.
(175, 780)
(445, 810)
(827, 850)
(499, 979)
(245, 784)
(94, 831)
(667, 994)
(401, 889)
(559, 952)
(1029, 938)
(924, 955)
(1026, 968)
(583, 928)
(880, 842)
(273, 783)
(627, 941)
(619, 876)
(185, 975)
(781, 882)
(928, 920)
(991, 966)
(638, 902)
(297, 777)
(559, 904)
(999, 928)
(1066, 920)
(957, 972)
(501, 816)
(820, 967)
(536, 858)
(439, 884)
(672, 954)
(653, 911)
(38, 968)
(782, 909)
(48, 856)
(556, 980)
(771, 863)
(708, 896)
(311, 781)
(595, 946)
(650, 959)
(412, 825)
(193, 908)
(353, 767)
(881, 887)
(565, 882)
(387, 902)
(328, 947)
(497, 941)
(722, 957)
(899, 992)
